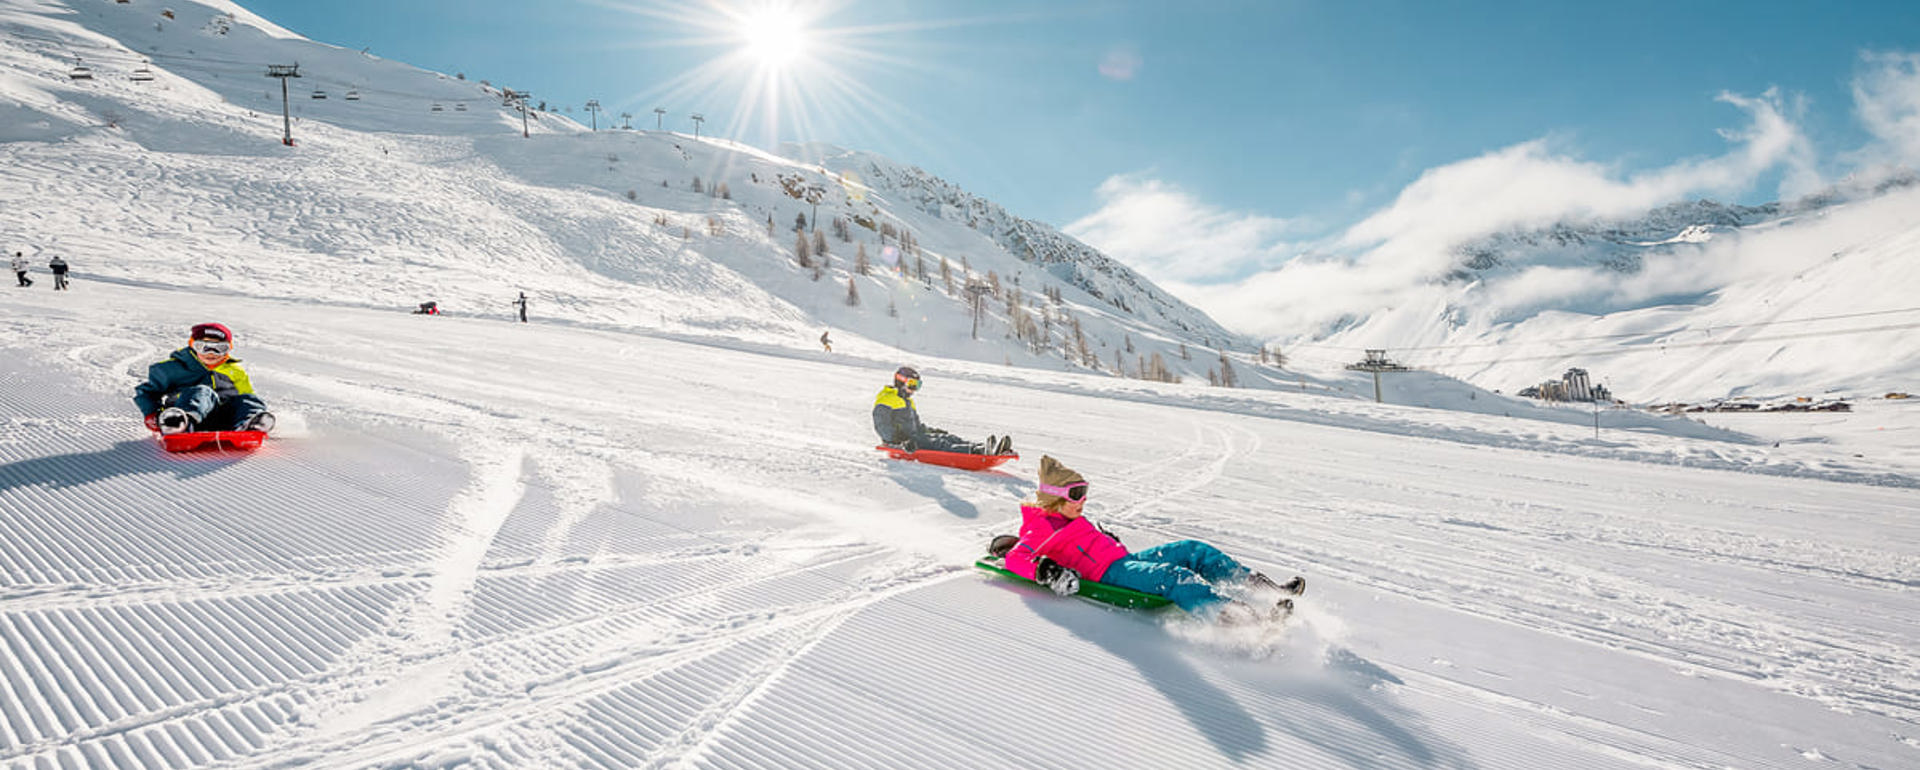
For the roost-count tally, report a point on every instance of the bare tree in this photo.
(860, 263)
(801, 252)
(853, 291)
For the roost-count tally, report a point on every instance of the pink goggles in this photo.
(1076, 491)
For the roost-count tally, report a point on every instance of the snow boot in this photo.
(173, 419)
(262, 422)
(1005, 447)
(1259, 583)
(1281, 611)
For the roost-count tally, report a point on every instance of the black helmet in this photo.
(906, 378)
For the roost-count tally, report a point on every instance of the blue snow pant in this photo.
(1185, 571)
(211, 412)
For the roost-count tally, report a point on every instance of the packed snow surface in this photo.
(475, 542)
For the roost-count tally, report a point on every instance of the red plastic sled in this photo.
(212, 439)
(961, 460)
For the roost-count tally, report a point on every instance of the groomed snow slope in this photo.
(477, 543)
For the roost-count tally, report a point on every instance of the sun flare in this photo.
(775, 37)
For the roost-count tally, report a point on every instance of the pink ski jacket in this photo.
(1075, 543)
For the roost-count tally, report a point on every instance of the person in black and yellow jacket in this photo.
(898, 423)
(201, 387)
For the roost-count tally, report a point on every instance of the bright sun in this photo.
(774, 36)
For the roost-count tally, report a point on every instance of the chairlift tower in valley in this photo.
(1377, 362)
(697, 120)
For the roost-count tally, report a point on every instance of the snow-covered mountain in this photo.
(1624, 244)
(404, 186)
(1691, 301)
(1050, 252)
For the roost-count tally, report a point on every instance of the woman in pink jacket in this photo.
(1059, 548)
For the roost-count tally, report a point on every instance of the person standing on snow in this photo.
(20, 269)
(201, 387)
(522, 304)
(59, 268)
(1058, 547)
(898, 423)
(826, 343)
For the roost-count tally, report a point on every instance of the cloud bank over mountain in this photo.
(1266, 276)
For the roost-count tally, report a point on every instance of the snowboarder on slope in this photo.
(201, 387)
(826, 343)
(59, 268)
(20, 269)
(898, 423)
(1059, 547)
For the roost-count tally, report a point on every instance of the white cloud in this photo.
(1120, 64)
(1394, 255)
(1169, 235)
(1886, 98)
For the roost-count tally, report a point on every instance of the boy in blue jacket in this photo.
(201, 387)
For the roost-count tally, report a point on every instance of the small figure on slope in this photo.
(201, 387)
(1058, 547)
(20, 269)
(59, 268)
(898, 423)
(427, 308)
(521, 303)
(825, 342)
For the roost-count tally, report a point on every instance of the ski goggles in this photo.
(1076, 491)
(210, 347)
(913, 384)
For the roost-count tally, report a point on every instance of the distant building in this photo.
(1575, 385)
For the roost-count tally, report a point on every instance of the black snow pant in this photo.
(24, 280)
(942, 441)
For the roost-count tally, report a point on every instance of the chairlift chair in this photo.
(142, 75)
(461, 107)
(79, 71)
(317, 94)
(353, 96)
(438, 108)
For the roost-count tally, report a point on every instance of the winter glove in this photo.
(1056, 578)
(153, 422)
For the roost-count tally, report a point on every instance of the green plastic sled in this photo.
(1099, 592)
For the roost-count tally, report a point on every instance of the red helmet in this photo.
(211, 331)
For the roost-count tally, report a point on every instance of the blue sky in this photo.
(1284, 124)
